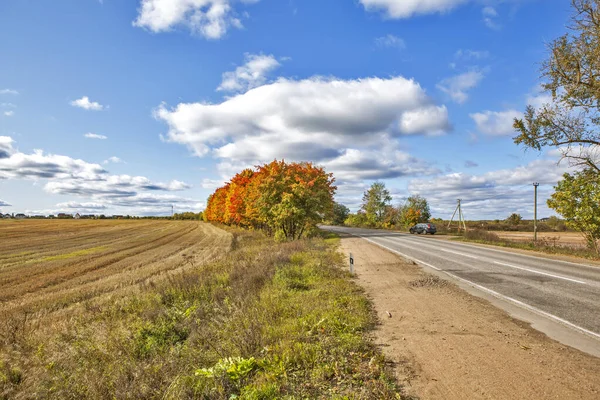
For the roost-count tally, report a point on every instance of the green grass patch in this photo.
(268, 321)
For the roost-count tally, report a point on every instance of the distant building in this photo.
(20, 216)
(77, 216)
(65, 216)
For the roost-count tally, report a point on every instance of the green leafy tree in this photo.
(415, 210)
(514, 219)
(570, 121)
(375, 202)
(358, 219)
(340, 213)
(577, 198)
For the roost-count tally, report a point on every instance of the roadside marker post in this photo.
(351, 264)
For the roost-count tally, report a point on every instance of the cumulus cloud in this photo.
(86, 104)
(250, 75)
(95, 136)
(8, 91)
(6, 148)
(317, 112)
(457, 86)
(111, 186)
(496, 123)
(391, 41)
(4, 204)
(209, 18)
(68, 176)
(9, 113)
(494, 194)
(407, 8)
(357, 165)
(17, 165)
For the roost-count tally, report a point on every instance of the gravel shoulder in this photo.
(448, 344)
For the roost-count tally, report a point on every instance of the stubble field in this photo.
(126, 309)
(50, 267)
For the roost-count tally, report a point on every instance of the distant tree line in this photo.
(286, 200)
(377, 210)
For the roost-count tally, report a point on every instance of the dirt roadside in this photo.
(448, 344)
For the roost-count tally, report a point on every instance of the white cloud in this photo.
(469, 55)
(538, 100)
(355, 165)
(67, 176)
(471, 164)
(111, 186)
(4, 204)
(9, 113)
(490, 17)
(250, 75)
(496, 123)
(489, 11)
(212, 184)
(457, 86)
(8, 91)
(79, 206)
(317, 113)
(8, 105)
(209, 18)
(390, 41)
(113, 159)
(86, 104)
(494, 194)
(408, 8)
(90, 135)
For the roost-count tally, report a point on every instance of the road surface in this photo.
(564, 293)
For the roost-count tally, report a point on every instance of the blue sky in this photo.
(127, 107)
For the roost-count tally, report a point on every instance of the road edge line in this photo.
(491, 292)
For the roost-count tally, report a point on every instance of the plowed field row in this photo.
(52, 266)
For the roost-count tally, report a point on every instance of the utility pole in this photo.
(461, 218)
(535, 188)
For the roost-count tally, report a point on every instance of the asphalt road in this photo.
(563, 292)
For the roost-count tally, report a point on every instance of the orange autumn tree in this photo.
(287, 199)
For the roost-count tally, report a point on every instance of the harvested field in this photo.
(49, 267)
(566, 239)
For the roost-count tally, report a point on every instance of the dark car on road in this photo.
(423, 228)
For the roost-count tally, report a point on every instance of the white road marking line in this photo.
(595, 267)
(494, 293)
(540, 272)
(460, 254)
(402, 254)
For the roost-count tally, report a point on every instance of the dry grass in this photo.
(54, 272)
(148, 309)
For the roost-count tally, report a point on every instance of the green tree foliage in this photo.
(375, 202)
(357, 220)
(571, 120)
(340, 213)
(577, 198)
(188, 215)
(415, 210)
(514, 219)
